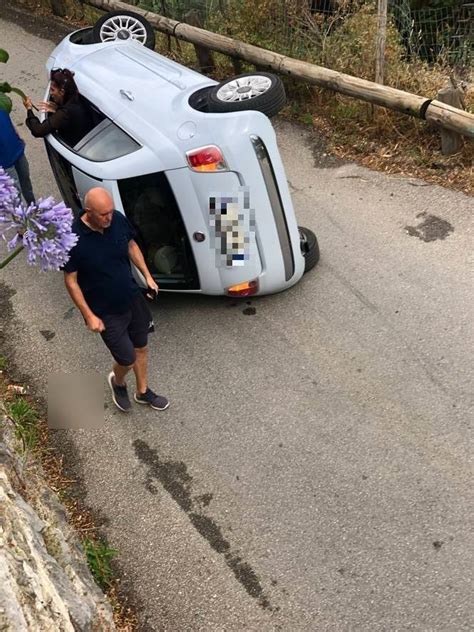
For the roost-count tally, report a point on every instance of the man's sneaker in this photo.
(158, 402)
(119, 394)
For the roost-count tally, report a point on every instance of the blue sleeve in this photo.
(127, 227)
(72, 265)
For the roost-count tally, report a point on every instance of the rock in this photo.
(45, 583)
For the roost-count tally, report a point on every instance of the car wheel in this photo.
(309, 248)
(123, 25)
(260, 91)
(199, 100)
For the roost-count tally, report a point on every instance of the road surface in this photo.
(314, 470)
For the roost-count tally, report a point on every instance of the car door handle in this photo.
(127, 94)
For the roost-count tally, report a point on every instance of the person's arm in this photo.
(93, 322)
(136, 257)
(52, 123)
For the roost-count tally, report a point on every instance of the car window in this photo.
(65, 180)
(106, 142)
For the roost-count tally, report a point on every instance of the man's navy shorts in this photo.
(128, 331)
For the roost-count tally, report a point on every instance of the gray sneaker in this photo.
(119, 394)
(158, 402)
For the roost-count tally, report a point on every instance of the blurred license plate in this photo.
(232, 226)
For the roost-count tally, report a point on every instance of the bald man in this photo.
(99, 279)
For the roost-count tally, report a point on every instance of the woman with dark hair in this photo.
(67, 113)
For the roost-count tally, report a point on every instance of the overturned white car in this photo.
(193, 164)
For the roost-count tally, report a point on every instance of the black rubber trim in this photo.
(424, 107)
(276, 203)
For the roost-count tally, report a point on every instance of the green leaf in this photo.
(18, 92)
(3, 56)
(5, 103)
(5, 87)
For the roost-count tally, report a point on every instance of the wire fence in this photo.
(437, 34)
(303, 27)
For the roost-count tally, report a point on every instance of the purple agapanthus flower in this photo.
(44, 229)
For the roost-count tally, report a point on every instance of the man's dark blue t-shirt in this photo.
(103, 266)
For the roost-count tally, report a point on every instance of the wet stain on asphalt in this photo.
(171, 474)
(47, 334)
(249, 311)
(177, 482)
(69, 313)
(211, 531)
(204, 500)
(431, 228)
(438, 544)
(247, 577)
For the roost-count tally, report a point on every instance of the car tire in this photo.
(261, 91)
(309, 248)
(123, 25)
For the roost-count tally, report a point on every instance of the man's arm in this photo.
(136, 257)
(92, 321)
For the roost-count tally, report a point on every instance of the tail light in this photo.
(206, 159)
(243, 289)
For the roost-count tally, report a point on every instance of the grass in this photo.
(25, 420)
(99, 557)
(3, 363)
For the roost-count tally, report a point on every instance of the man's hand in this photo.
(152, 286)
(47, 106)
(95, 324)
(136, 257)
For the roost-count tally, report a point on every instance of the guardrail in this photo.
(433, 111)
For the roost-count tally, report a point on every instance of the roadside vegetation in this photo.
(33, 445)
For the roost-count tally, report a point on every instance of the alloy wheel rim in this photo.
(122, 27)
(244, 88)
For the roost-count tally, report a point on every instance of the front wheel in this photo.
(309, 247)
(259, 91)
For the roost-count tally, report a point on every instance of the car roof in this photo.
(145, 93)
(104, 72)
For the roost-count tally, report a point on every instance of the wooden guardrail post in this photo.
(203, 54)
(451, 142)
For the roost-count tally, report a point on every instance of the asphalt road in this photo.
(314, 471)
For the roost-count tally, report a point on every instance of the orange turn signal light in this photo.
(243, 289)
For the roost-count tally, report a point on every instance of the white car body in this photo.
(147, 96)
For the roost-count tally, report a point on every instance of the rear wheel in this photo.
(124, 25)
(260, 91)
(309, 247)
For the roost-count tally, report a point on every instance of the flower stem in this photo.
(10, 257)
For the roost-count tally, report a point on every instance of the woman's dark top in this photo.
(72, 121)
